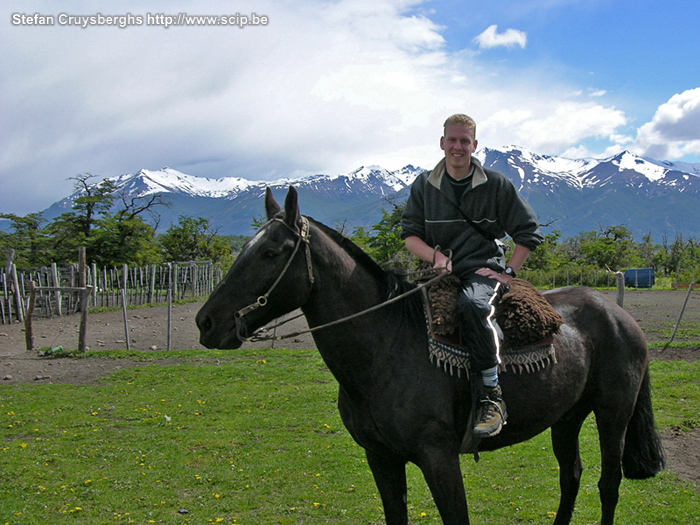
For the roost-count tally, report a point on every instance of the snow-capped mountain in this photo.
(575, 195)
(570, 195)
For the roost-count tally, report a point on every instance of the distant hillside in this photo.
(571, 195)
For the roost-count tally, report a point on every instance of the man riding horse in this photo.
(462, 207)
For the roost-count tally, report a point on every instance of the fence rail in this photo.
(141, 285)
(597, 278)
(137, 285)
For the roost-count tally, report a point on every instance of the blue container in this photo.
(640, 277)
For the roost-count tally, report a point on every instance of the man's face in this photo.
(458, 144)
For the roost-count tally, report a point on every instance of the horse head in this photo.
(270, 277)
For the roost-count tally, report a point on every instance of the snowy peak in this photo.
(574, 194)
(168, 180)
(526, 168)
(629, 161)
(529, 171)
(532, 169)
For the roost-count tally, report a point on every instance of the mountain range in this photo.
(571, 195)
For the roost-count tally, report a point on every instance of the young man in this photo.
(463, 207)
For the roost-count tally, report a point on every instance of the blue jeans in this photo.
(477, 308)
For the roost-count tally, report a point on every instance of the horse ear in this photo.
(271, 206)
(291, 209)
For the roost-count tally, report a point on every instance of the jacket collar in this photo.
(438, 173)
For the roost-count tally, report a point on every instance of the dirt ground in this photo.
(656, 312)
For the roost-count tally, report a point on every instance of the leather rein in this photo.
(303, 237)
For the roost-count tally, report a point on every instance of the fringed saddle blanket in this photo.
(527, 320)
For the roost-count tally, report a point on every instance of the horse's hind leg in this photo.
(390, 478)
(611, 429)
(565, 442)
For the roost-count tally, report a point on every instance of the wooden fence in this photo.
(111, 287)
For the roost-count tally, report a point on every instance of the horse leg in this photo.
(565, 442)
(611, 429)
(443, 474)
(390, 478)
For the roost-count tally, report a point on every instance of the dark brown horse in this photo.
(399, 406)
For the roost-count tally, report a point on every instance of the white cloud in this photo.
(556, 128)
(325, 87)
(509, 38)
(674, 130)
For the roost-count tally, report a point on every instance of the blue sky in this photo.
(328, 86)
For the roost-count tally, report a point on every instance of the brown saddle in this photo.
(528, 323)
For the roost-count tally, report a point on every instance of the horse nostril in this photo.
(204, 324)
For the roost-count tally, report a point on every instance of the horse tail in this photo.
(643, 456)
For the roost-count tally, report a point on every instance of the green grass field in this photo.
(256, 439)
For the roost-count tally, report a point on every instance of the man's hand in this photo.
(502, 278)
(442, 263)
(426, 253)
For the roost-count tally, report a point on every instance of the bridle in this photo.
(303, 237)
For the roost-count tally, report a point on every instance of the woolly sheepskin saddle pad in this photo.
(527, 321)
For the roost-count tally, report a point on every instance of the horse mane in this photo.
(357, 253)
(391, 283)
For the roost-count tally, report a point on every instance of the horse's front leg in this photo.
(390, 476)
(442, 472)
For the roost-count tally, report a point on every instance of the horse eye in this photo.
(270, 254)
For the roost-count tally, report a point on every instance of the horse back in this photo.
(608, 328)
(601, 354)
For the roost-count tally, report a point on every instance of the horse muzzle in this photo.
(213, 335)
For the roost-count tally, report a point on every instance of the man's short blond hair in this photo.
(460, 119)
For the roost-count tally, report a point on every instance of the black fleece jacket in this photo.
(491, 201)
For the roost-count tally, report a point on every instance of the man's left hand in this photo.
(502, 278)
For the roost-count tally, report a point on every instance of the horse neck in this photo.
(348, 282)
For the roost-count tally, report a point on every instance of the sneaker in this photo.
(492, 413)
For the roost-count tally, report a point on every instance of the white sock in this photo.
(490, 377)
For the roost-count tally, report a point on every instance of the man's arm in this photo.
(420, 249)
(516, 262)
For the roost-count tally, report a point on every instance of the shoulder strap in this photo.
(474, 225)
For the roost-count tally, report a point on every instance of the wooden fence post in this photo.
(170, 304)
(28, 331)
(680, 316)
(84, 299)
(152, 284)
(126, 321)
(57, 294)
(125, 283)
(17, 289)
(95, 280)
(620, 288)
